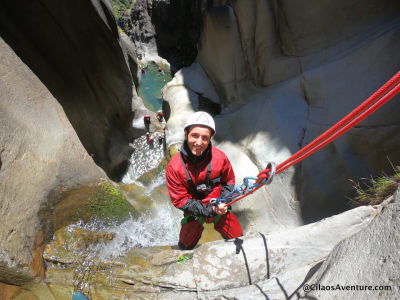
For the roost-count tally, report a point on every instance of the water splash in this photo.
(149, 230)
(144, 158)
(157, 227)
(156, 183)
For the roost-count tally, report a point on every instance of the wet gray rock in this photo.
(170, 29)
(142, 31)
(42, 157)
(316, 25)
(262, 257)
(368, 258)
(74, 48)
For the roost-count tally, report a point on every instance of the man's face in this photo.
(198, 139)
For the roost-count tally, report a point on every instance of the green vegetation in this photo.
(183, 258)
(377, 189)
(108, 203)
(121, 7)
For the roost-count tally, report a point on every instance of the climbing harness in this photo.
(201, 219)
(202, 190)
(390, 89)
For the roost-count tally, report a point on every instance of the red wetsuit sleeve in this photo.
(176, 187)
(228, 176)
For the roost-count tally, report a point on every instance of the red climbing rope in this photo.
(158, 188)
(365, 109)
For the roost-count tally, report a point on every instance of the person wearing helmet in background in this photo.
(196, 175)
(160, 116)
(149, 139)
(146, 119)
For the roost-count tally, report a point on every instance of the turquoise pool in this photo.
(150, 85)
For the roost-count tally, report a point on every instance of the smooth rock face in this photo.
(224, 66)
(276, 35)
(41, 156)
(312, 26)
(217, 266)
(370, 148)
(261, 44)
(75, 50)
(368, 258)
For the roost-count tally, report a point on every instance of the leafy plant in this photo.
(377, 190)
(121, 7)
(183, 258)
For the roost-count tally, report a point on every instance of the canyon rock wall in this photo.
(368, 258)
(41, 157)
(165, 28)
(67, 101)
(74, 48)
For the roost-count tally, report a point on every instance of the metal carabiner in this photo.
(272, 169)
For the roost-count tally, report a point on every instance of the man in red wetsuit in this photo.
(197, 174)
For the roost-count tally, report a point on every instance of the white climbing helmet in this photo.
(201, 118)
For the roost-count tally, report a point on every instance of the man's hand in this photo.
(221, 209)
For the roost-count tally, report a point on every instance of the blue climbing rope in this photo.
(249, 184)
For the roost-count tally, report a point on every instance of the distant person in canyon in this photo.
(160, 139)
(160, 116)
(149, 139)
(146, 119)
(196, 175)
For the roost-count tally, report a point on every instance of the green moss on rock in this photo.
(109, 204)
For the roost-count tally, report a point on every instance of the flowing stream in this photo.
(157, 221)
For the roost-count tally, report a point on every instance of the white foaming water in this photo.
(152, 229)
(158, 226)
(144, 157)
(155, 183)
